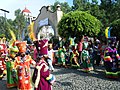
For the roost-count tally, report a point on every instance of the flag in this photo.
(31, 31)
(109, 30)
(106, 32)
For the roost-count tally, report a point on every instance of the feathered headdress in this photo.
(31, 31)
(13, 37)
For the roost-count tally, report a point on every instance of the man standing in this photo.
(22, 65)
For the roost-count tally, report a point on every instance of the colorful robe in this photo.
(111, 62)
(87, 64)
(40, 74)
(61, 57)
(11, 73)
(23, 72)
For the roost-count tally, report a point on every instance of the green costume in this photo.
(61, 56)
(11, 72)
(87, 65)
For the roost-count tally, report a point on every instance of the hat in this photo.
(21, 46)
(15, 42)
(41, 46)
(14, 49)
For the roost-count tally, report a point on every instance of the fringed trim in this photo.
(38, 75)
(108, 58)
(11, 85)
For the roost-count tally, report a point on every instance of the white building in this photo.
(28, 15)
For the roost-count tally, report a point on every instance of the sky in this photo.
(33, 5)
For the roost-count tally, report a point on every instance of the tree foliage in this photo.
(5, 25)
(115, 31)
(19, 23)
(106, 11)
(78, 23)
(2, 25)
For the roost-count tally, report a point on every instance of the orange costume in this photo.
(22, 65)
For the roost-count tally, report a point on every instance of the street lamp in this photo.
(4, 12)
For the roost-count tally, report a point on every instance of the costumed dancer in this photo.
(22, 65)
(74, 57)
(12, 52)
(40, 75)
(61, 57)
(11, 72)
(41, 72)
(3, 53)
(111, 59)
(87, 64)
(41, 47)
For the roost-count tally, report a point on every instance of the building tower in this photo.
(28, 15)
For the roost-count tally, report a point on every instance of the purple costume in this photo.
(40, 74)
(111, 59)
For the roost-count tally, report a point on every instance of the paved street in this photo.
(72, 79)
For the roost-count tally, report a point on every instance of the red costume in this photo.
(22, 64)
(3, 50)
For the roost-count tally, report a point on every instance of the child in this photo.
(50, 57)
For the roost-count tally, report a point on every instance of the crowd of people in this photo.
(87, 53)
(16, 62)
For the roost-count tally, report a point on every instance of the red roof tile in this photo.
(26, 10)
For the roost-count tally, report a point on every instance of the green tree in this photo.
(19, 23)
(115, 31)
(5, 25)
(106, 11)
(78, 23)
(111, 10)
(2, 25)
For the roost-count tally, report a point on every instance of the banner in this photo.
(43, 22)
